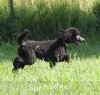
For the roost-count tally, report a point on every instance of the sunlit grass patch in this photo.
(39, 78)
(80, 76)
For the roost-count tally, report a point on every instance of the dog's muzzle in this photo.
(79, 39)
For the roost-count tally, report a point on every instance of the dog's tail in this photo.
(22, 37)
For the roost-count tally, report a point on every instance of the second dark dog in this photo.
(51, 50)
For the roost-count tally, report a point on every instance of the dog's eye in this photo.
(74, 36)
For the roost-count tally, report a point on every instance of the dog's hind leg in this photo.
(30, 57)
(28, 54)
(18, 63)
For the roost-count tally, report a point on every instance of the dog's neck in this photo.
(60, 42)
(57, 44)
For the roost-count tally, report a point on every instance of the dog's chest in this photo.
(56, 54)
(60, 52)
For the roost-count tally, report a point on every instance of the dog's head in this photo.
(18, 63)
(71, 35)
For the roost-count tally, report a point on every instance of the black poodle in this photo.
(51, 50)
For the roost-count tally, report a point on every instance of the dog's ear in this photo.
(26, 32)
(74, 31)
(64, 34)
(61, 31)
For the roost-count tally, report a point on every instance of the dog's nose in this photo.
(80, 38)
(83, 39)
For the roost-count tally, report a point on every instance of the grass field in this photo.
(45, 17)
(80, 77)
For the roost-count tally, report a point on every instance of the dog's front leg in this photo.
(66, 58)
(52, 64)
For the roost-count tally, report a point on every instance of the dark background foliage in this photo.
(45, 18)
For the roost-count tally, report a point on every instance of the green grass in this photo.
(80, 77)
(45, 17)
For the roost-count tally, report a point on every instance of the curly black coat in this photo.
(51, 50)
